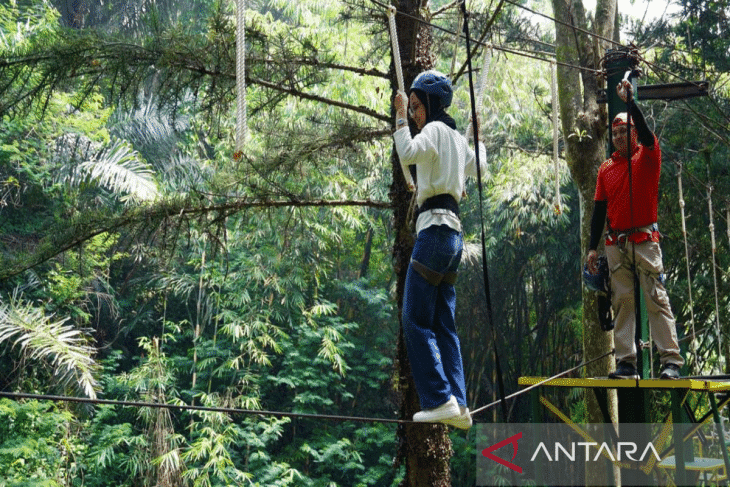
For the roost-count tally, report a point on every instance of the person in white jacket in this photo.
(443, 159)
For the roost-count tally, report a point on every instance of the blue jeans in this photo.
(428, 319)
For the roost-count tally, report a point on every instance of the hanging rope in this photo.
(399, 76)
(554, 92)
(544, 381)
(693, 344)
(241, 122)
(714, 270)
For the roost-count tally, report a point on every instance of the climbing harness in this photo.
(633, 235)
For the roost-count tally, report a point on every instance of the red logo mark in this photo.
(512, 440)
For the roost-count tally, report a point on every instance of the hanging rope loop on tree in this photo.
(399, 76)
(241, 121)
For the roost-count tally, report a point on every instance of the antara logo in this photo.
(624, 450)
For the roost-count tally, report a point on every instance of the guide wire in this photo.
(257, 412)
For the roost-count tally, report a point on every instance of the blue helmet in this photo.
(598, 282)
(435, 83)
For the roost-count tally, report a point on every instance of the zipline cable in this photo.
(565, 24)
(187, 407)
(527, 54)
(278, 414)
(544, 381)
(531, 54)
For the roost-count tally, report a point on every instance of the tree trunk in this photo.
(584, 124)
(425, 450)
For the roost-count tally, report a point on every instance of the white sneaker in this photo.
(462, 421)
(448, 410)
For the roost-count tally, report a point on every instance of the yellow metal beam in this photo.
(606, 383)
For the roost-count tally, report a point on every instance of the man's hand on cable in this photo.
(625, 90)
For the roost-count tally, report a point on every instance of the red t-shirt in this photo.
(613, 186)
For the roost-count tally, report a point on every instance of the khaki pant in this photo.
(661, 320)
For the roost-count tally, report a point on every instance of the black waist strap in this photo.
(442, 201)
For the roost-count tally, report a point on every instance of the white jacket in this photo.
(443, 160)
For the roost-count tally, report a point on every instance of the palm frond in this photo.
(63, 348)
(120, 170)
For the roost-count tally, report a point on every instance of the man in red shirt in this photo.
(632, 242)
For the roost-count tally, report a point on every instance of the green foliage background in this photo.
(143, 262)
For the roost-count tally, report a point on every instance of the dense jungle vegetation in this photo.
(142, 261)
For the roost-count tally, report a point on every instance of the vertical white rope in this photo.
(714, 277)
(481, 86)
(399, 76)
(686, 258)
(556, 135)
(396, 48)
(241, 122)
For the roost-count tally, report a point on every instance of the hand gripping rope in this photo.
(399, 75)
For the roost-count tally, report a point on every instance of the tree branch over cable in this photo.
(70, 234)
(179, 64)
(308, 96)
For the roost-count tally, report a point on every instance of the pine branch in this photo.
(70, 234)
(307, 96)
(124, 67)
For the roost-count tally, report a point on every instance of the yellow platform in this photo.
(606, 383)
